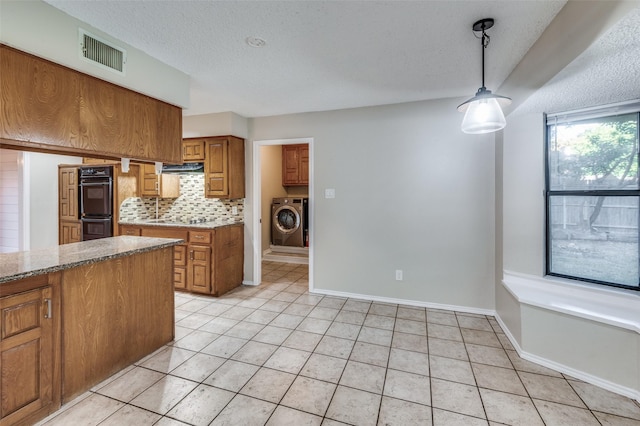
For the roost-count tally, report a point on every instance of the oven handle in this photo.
(94, 183)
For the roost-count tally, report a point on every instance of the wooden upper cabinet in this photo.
(224, 167)
(49, 107)
(193, 150)
(163, 185)
(295, 165)
(39, 100)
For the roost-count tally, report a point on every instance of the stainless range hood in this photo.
(183, 168)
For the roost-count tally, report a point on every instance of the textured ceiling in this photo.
(321, 55)
(607, 72)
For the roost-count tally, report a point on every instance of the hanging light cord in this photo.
(484, 42)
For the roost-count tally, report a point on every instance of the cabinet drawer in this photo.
(159, 232)
(20, 313)
(135, 232)
(202, 237)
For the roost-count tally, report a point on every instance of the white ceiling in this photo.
(326, 55)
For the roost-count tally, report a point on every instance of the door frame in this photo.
(257, 204)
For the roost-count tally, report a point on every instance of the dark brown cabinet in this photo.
(224, 167)
(295, 165)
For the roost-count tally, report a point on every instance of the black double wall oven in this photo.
(96, 202)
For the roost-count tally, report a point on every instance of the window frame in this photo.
(551, 120)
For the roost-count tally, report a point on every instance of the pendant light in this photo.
(483, 112)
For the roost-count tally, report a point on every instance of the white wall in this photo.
(9, 201)
(412, 192)
(216, 124)
(42, 170)
(36, 27)
(563, 334)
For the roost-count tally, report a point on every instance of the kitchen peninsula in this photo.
(211, 258)
(73, 315)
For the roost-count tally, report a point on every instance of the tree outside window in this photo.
(593, 195)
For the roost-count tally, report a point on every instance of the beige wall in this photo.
(412, 192)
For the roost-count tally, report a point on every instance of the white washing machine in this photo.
(289, 222)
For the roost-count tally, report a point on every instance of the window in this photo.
(593, 195)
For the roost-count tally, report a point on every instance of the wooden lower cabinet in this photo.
(70, 231)
(27, 353)
(199, 269)
(210, 262)
(115, 312)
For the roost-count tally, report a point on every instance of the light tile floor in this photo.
(277, 355)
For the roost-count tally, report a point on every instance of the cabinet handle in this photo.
(191, 255)
(157, 186)
(199, 236)
(184, 151)
(48, 313)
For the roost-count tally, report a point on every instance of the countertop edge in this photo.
(166, 242)
(203, 225)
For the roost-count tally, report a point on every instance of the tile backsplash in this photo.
(190, 205)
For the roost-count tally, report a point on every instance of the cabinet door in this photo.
(217, 168)
(199, 269)
(39, 100)
(150, 185)
(68, 193)
(192, 150)
(180, 267)
(303, 171)
(70, 232)
(26, 354)
(290, 169)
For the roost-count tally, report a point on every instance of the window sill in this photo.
(616, 307)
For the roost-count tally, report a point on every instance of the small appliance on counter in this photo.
(96, 202)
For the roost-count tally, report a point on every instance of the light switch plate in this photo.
(329, 193)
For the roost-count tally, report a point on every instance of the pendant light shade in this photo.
(483, 112)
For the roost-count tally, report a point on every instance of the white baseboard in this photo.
(407, 302)
(581, 375)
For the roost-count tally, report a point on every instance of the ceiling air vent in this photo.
(101, 52)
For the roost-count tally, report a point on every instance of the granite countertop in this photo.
(212, 224)
(15, 266)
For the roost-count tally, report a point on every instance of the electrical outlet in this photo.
(398, 274)
(234, 210)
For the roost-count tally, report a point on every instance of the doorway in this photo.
(265, 171)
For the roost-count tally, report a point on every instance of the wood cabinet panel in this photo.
(163, 185)
(70, 232)
(199, 269)
(38, 100)
(228, 258)
(295, 165)
(46, 106)
(26, 355)
(224, 167)
(116, 312)
(193, 150)
(68, 193)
